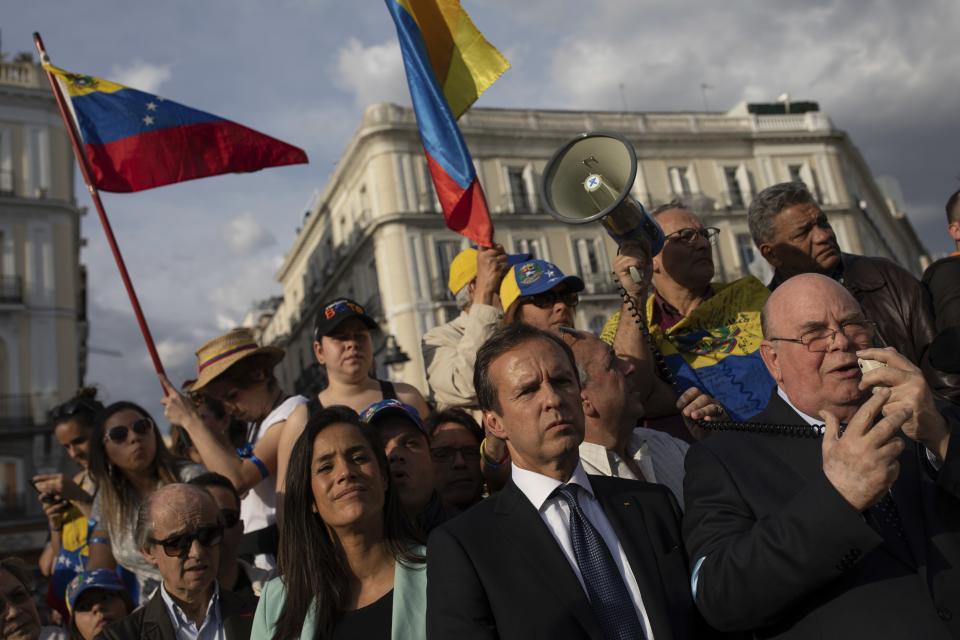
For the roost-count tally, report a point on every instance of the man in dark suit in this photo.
(855, 535)
(556, 554)
(179, 530)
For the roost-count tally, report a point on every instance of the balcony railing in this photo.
(24, 410)
(21, 74)
(11, 290)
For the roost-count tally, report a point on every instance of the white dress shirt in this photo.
(556, 515)
(658, 455)
(185, 629)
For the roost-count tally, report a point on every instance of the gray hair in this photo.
(143, 530)
(769, 203)
(463, 297)
(582, 374)
(676, 203)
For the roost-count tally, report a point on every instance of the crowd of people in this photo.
(725, 459)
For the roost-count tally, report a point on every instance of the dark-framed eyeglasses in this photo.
(119, 433)
(547, 299)
(859, 332)
(448, 454)
(230, 518)
(690, 235)
(179, 545)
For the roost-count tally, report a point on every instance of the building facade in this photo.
(43, 326)
(376, 234)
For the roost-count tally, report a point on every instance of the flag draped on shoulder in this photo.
(449, 64)
(134, 140)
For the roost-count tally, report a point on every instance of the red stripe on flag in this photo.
(465, 210)
(183, 153)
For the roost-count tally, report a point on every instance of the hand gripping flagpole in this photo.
(95, 196)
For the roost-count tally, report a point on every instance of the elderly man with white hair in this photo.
(836, 512)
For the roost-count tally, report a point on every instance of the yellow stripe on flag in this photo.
(465, 63)
(78, 84)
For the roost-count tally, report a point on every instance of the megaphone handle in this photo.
(635, 275)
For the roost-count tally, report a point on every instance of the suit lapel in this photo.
(520, 522)
(156, 620)
(626, 518)
(804, 455)
(234, 616)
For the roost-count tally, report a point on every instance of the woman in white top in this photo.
(234, 370)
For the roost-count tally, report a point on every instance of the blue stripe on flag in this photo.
(107, 117)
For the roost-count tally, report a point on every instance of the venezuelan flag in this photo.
(135, 140)
(448, 64)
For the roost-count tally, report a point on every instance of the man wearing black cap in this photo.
(407, 445)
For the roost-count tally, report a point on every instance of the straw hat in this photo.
(221, 353)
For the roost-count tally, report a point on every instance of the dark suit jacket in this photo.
(787, 557)
(496, 571)
(152, 622)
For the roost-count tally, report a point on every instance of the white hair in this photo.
(463, 297)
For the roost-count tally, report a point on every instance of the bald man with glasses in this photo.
(836, 512)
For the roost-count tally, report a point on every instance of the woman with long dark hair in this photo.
(129, 461)
(351, 564)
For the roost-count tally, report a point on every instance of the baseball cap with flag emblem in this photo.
(532, 277)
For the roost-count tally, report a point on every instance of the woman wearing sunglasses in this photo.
(537, 293)
(67, 500)
(351, 565)
(129, 461)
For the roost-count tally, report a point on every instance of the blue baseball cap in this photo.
(392, 407)
(532, 277)
(105, 579)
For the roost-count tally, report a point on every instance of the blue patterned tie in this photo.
(609, 597)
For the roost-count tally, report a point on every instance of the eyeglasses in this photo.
(448, 454)
(690, 235)
(68, 409)
(860, 332)
(230, 518)
(547, 299)
(179, 546)
(119, 433)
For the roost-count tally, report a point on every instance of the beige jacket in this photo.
(450, 352)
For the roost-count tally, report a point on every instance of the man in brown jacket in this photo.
(793, 234)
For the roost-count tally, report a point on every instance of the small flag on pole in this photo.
(135, 140)
(449, 64)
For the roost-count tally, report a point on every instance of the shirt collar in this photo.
(180, 618)
(538, 488)
(600, 457)
(813, 422)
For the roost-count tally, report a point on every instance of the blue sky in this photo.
(302, 70)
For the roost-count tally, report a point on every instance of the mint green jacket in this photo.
(409, 606)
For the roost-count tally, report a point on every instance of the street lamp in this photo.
(393, 355)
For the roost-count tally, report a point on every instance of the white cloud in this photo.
(372, 74)
(141, 75)
(173, 353)
(244, 235)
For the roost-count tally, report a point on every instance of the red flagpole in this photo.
(95, 195)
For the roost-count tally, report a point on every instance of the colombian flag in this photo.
(135, 140)
(449, 64)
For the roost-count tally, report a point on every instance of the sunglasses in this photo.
(119, 433)
(67, 410)
(230, 518)
(92, 597)
(547, 299)
(179, 546)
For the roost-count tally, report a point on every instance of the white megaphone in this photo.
(589, 178)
